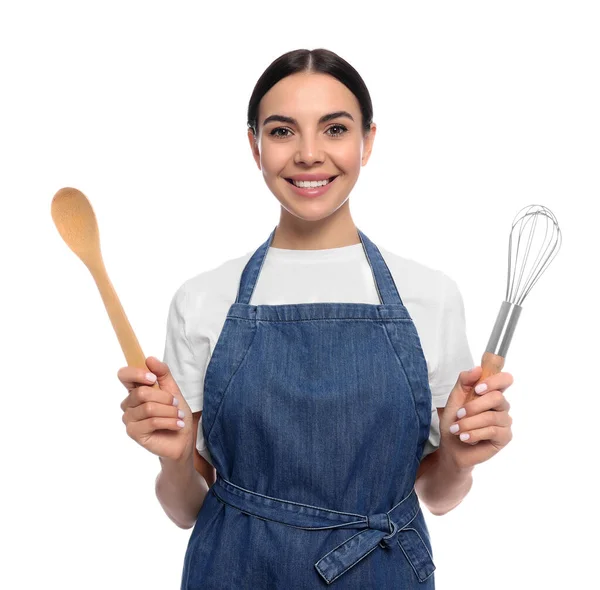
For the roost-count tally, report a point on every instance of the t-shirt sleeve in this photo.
(452, 347)
(187, 363)
(452, 353)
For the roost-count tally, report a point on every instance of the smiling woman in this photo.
(313, 392)
(328, 133)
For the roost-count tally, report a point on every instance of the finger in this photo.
(132, 377)
(481, 421)
(500, 381)
(493, 400)
(497, 435)
(152, 409)
(145, 393)
(137, 429)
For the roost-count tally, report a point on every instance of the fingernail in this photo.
(454, 428)
(175, 401)
(151, 377)
(465, 436)
(481, 388)
(180, 413)
(462, 412)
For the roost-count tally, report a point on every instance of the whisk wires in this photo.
(522, 278)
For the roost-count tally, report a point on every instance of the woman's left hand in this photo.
(486, 420)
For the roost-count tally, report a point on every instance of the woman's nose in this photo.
(309, 152)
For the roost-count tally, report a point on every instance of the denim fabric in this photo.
(315, 415)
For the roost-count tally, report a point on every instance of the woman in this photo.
(310, 377)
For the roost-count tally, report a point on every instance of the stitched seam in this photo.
(329, 580)
(294, 526)
(424, 544)
(279, 320)
(292, 502)
(408, 558)
(352, 564)
(415, 516)
(338, 546)
(387, 272)
(412, 565)
(403, 500)
(228, 384)
(412, 393)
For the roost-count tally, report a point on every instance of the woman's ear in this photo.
(254, 147)
(368, 146)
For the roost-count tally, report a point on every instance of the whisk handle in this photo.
(491, 364)
(493, 358)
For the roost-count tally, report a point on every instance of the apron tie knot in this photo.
(382, 522)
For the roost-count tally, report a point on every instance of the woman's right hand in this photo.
(150, 415)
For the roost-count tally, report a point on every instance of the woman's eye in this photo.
(338, 127)
(274, 132)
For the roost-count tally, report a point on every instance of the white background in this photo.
(482, 108)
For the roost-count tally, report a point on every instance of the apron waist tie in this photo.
(377, 529)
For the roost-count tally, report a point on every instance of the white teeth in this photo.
(310, 184)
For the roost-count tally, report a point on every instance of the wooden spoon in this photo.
(75, 220)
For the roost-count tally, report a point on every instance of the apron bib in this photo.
(315, 416)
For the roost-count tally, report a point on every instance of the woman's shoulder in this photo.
(212, 288)
(417, 281)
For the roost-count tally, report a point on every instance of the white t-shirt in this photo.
(199, 308)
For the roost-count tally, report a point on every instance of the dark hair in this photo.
(311, 60)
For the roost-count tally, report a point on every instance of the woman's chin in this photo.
(311, 211)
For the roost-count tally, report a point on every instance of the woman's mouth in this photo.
(311, 188)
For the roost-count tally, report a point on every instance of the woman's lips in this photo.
(311, 192)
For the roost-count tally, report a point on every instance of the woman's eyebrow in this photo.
(323, 119)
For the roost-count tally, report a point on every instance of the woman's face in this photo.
(286, 148)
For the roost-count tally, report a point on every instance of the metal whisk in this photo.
(521, 278)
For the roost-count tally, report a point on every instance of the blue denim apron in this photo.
(316, 416)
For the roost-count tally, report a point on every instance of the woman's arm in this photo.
(180, 488)
(203, 467)
(440, 485)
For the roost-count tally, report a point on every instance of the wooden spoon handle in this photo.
(491, 364)
(125, 334)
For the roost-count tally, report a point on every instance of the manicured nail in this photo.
(175, 401)
(454, 428)
(461, 413)
(465, 436)
(180, 423)
(180, 413)
(151, 377)
(481, 388)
